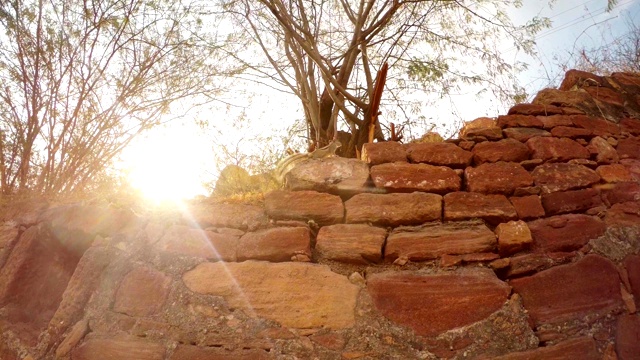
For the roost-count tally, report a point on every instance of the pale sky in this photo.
(174, 160)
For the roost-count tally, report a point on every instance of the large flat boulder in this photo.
(434, 303)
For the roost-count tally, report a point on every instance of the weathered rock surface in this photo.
(623, 214)
(275, 244)
(536, 109)
(556, 149)
(580, 348)
(142, 292)
(297, 295)
(620, 192)
(190, 352)
(513, 236)
(181, 239)
(553, 177)
(351, 243)
(551, 121)
(529, 264)
(322, 208)
(614, 173)
(523, 134)
(96, 348)
(432, 304)
(570, 201)
(464, 205)
(630, 125)
(440, 154)
(238, 216)
(497, 178)
(632, 265)
(565, 232)
(334, 175)
(605, 153)
(629, 148)
(394, 209)
(433, 240)
(509, 150)
(528, 207)
(597, 126)
(519, 121)
(402, 177)
(565, 292)
(570, 132)
(627, 335)
(383, 152)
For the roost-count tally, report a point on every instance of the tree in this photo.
(81, 79)
(328, 52)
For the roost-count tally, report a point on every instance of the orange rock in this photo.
(394, 209)
(493, 208)
(614, 173)
(351, 243)
(383, 152)
(275, 244)
(142, 292)
(551, 177)
(402, 177)
(322, 208)
(503, 150)
(556, 149)
(583, 348)
(528, 207)
(497, 178)
(513, 236)
(441, 154)
(565, 232)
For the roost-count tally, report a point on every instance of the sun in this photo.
(167, 164)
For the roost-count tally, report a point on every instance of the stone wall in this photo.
(519, 240)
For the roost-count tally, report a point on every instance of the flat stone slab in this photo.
(184, 240)
(441, 154)
(627, 335)
(275, 244)
(431, 304)
(383, 152)
(528, 207)
(571, 201)
(394, 209)
(565, 232)
(583, 348)
(493, 208)
(553, 177)
(238, 216)
(297, 295)
(518, 120)
(434, 240)
(509, 150)
(513, 236)
(629, 148)
(351, 243)
(556, 149)
(142, 292)
(523, 134)
(403, 177)
(118, 348)
(565, 292)
(333, 175)
(322, 208)
(497, 178)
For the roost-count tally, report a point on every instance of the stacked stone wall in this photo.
(519, 240)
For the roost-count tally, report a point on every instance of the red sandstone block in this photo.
(570, 201)
(552, 121)
(620, 192)
(629, 148)
(383, 152)
(322, 208)
(403, 177)
(598, 126)
(630, 125)
(275, 244)
(465, 205)
(606, 95)
(583, 348)
(614, 173)
(535, 109)
(432, 304)
(623, 214)
(519, 121)
(581, 79)
(100, 347)
(497, 178)
(528, 207)
(510, 150)
(627, 336)
(556, 149)
(523, 134)
(565, 232)
(570, 132)
(605, 153)
(394, 209)
(632, 265)
(351, 243)
(441, 154)
(513, 236)
(588, 286)
(142, 292)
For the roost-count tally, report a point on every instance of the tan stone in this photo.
(513, 236)
(180, 239)
(324, 209)
(394, 209)
(351, 243)
(433, 240)
(74, 336)
(553, 177)
(276, 244)
(101, 347)
(402, 177)
(297, 295)
(142, 292)
(238, 216)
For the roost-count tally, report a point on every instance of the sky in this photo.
(174, 160)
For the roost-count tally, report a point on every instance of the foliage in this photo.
(81, 79)
(327, 52)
